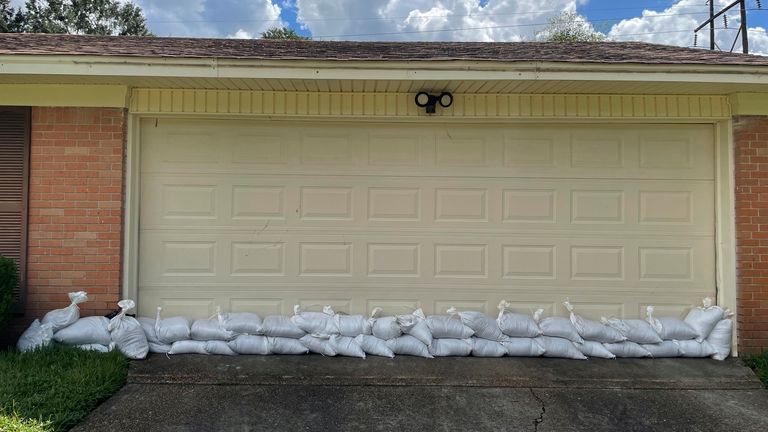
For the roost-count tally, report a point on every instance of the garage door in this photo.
(258, 216)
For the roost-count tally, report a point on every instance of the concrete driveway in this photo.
(286, 393)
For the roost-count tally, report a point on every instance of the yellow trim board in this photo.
(111, 96)
(749, 103)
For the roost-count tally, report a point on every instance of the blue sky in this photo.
(658, 21)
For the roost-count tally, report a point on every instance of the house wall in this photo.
(751, 167)
(75, 207)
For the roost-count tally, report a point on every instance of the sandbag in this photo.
(97, 347)
(282, 345)
(57, 319)
(627, 349)
(448, 327)
(281, 326)
(384, 328)
(242, 323)
(346, 346)
(36, 336)
(408, 345)
(315, 322)
(665, 349)
(159, 348)
(559, 348)
(720, 338)
(693, 348)
(635, 330)
(374, 346)
(188, 347)
(523, 347)
(211, 329)
(249, 344)
(704, 318)
(451, 347)
(148, 325)
(85, 331)
(593, 330)
(515, 324)
(415, 324)
(218, 347)
(484, 326)
(487, 348)
(127, 334)
(318, 345)
(170, 330)
(557, 327)
(352, 325)
(594, 349)
(669, 328)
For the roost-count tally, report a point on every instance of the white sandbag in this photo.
(211, 329)
(635, 330)
(515, 324)
(720, 338)
(159, 348)
(280, 326)
(487, 348)
(484, 326)
(315, 322)
(352, 325)
(704, 318)
(249, 344)
(384, 328)
(243, 323)
(188, 347)
(627, 349)
(170, 330)
(559, 348)
(451, 347)
(374, 346)
(665, 349)
(85, 331)
(524, 347)
(97, 347)
(59, 318)
(415, 324)
(408, 345)
(318, 344)
(593, 330)
(148, 325)
(127, 333)
(218, 347)
(346, 346)
(693, 348)
(36, 336)
(448, 327)
(669, 328)
(557, 327)
(594, 349)
(281, 345)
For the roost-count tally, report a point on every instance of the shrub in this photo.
(9, 280)
(759, 364)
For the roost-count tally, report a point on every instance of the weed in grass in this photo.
(59, 384)
(759, 363)
(13, 422)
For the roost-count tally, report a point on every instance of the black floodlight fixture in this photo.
(428, 101)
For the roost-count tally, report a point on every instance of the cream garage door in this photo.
(260, 215)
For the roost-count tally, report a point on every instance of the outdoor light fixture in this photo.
(428, 101)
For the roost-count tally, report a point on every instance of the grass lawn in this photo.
(59, 385)
(759, 364)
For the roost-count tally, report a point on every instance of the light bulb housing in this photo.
(429, 101)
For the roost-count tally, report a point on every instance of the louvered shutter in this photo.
(14, 175)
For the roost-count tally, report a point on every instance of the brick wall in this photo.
(751, 147)
(75, 208)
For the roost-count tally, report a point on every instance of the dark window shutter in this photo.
(14, 184)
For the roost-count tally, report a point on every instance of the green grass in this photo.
(759, 363)
(13, 422)
(60, 385)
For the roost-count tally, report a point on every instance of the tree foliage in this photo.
(96, 17)
(282, 33)
(570, 27)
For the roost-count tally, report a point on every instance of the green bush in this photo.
(9, 280)
(759, 364)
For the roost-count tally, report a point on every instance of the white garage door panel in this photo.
(258, 217)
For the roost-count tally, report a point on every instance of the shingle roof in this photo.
(590, 52)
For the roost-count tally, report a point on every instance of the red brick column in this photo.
(751, 158)
(75, 207)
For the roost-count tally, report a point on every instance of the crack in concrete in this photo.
(540, 419)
